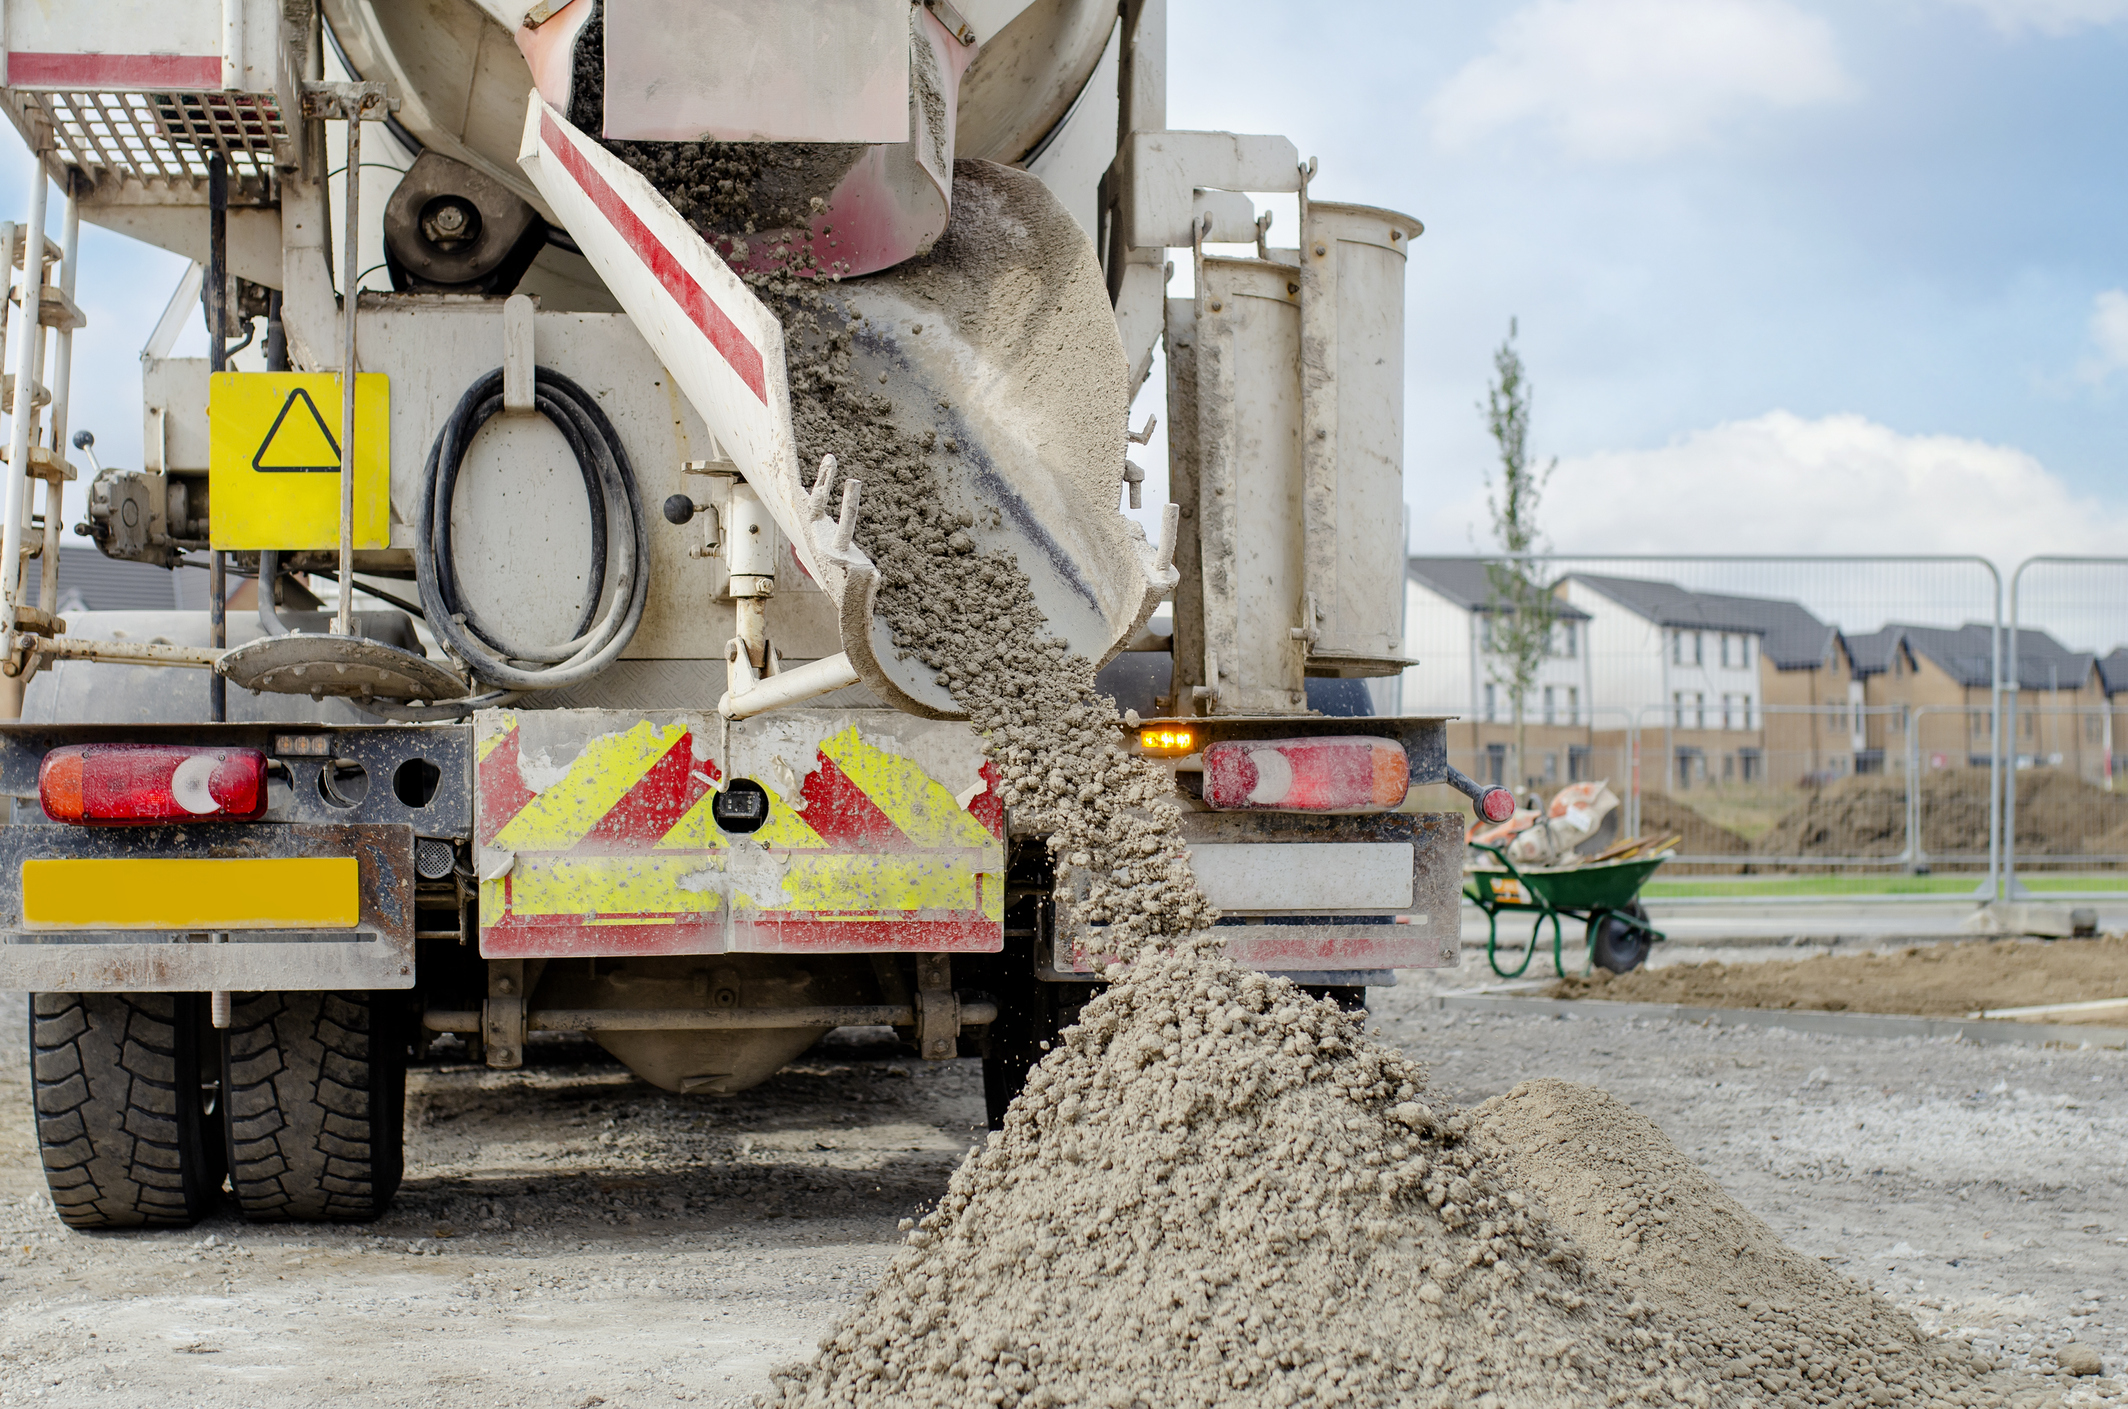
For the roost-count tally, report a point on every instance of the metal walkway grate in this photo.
(159, 139)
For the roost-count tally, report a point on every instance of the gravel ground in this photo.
(568, 1236)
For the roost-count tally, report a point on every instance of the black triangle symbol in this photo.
(299, 429)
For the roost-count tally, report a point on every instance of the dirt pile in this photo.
(1930, 980)
(1769, 1321)
(1662, 814)
(1220, 1191)
(2058, 814)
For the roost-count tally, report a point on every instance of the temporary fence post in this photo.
(1916, 863)
(1633, 765)
(2013, 680)
(1988, 888)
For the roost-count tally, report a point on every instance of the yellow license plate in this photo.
(191, 893)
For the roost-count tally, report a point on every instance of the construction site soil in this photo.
(2058, 814)
(1934, 980)
(569, 1236)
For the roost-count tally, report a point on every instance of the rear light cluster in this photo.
(117, 785)
(1305, 775)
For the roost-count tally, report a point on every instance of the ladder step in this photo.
(16, 229)
(54, 308)
(44, 464)
(40, 394)
(31, 619)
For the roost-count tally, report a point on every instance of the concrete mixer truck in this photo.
(567, 702)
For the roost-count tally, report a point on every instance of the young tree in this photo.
(1522, 608)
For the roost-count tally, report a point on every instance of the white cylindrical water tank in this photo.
(1352, 261)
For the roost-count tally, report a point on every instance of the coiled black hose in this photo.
(609, 484)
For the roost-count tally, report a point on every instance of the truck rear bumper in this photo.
(1322, 898)
(243, 907)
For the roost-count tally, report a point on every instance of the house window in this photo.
(1699, 657)
(1677, 648)
(1551, 710)
(1573, 704)
(1496, 764)
(1677, 705)
(1492, 706)
(1579, 763)
(1728, 766)
(1745, 702)
(1563, 640)
(1485, 632)
(1728, 702)
(1699, 711)
(1750, 766)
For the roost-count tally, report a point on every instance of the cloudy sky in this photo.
(1791, 275)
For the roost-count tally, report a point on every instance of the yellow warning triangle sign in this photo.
(298, 441)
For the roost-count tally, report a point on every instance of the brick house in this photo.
(1930, 691)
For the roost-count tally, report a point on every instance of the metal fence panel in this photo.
(1778, 713)
(2064, 687)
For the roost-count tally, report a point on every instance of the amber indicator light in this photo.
(1168, 740)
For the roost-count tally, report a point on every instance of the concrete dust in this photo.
(1935, 980)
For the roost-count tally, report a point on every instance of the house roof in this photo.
(1967, 654)
(1466, 582)
(1791, 637)
(2113, 670)
(1871, 653)
(89, 581)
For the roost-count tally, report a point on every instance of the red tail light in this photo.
(114, 785)
(1495, 804)
(1305, 775)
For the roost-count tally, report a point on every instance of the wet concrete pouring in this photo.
(569, 1236)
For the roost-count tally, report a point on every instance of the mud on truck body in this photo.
(626, 749)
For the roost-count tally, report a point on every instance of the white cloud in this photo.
(1631, 79)
(1778, 483)
(2109, 336)
(2050, 17)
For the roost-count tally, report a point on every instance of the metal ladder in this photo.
(45, 322)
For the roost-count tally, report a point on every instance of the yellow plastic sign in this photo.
(273, 462)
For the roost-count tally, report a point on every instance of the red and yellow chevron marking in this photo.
(620, 854)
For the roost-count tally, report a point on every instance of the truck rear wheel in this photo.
(126, 1107)
(315, 1093)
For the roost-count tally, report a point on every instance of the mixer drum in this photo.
(462, 70)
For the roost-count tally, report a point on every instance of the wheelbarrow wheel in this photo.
(1619, 944)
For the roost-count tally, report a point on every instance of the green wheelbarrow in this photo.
(1604, 894)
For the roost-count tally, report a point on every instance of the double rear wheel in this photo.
(147, 1117)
